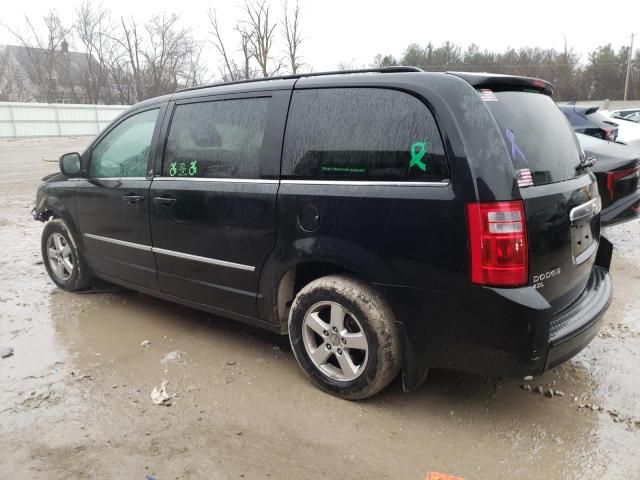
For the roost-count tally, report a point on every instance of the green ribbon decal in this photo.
(418, 151)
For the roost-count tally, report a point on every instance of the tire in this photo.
(62, 259)
(344, 338)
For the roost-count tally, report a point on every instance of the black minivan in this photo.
(389, 221)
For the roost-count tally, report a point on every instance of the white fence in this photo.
(51, 119)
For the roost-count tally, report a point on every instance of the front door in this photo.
(213, 207)
(112, 203)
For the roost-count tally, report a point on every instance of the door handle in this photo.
(165, 201)
(132, 198)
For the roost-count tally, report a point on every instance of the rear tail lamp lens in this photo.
(613, 177)
(498, 243)
(609, 134)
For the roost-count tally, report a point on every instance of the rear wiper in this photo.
(588, 162)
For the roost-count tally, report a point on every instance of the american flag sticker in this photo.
(524, 177)
(488, 95)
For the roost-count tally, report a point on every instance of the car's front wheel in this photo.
(61, 258)
(343, 336)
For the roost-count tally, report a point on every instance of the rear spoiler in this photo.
(498, 82)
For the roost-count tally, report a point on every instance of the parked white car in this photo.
(628, 130)
(633, 117)
(625, 113)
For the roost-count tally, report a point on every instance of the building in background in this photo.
(30, 74)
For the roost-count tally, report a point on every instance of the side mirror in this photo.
(70, 164)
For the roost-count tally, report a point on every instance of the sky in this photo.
(354, 31)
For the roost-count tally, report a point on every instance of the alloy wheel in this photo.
(60, 258)
(335, 341)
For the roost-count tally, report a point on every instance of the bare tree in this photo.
(95, 30)
(121, 62)
(230, 71)
(350, 65)
(169, 56)
(380, 61)
(246, 54)
(194, 72)
(291, 24)
(131, 42)
(261, 35)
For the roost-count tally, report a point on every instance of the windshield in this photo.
(537, 134)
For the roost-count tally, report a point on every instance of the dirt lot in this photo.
(74, 397)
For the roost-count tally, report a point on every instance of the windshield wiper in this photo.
(588, 162)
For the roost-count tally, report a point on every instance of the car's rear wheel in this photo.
(343, 336)
(64, 263)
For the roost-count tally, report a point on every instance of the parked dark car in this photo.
(389, 221)
(617, 168)
(589, 121)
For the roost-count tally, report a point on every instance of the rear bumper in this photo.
(499, 332)
(573, 328)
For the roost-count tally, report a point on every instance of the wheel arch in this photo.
(50, 208)
(295, 278)
(289, 270)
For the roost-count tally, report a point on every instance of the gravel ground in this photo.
(75, 395)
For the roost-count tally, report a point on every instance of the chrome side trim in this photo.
(98, 179)
(305, 182)
(197, 258)
(115, 241)
(219, 180)
(172, 253)
(364, 183)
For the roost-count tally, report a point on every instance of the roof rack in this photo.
(394, 69)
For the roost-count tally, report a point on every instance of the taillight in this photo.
(609, 134)
(613, 177)
(498, 243)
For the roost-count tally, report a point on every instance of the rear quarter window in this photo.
(537, 134)
(362, 134)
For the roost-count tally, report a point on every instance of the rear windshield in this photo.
(537, 134)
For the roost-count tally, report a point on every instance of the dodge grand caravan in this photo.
(388, 221)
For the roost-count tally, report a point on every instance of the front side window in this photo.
(124, 151)
(362, 134)
(216, 139)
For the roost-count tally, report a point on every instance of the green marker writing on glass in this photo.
(418, 151)
(193, 168)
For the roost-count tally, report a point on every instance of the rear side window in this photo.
(537, 135)
(362, 134)
(217, 139)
